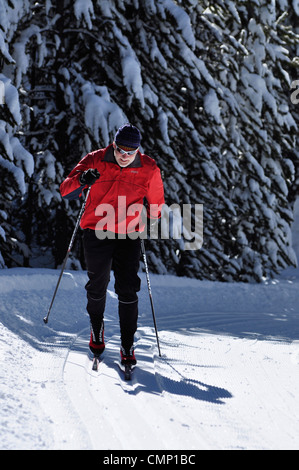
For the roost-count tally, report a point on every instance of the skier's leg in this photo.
(127, 284)
(98, 257)
(128, 316)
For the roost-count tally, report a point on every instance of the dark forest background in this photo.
(209, 85)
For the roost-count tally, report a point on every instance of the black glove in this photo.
(89, 177)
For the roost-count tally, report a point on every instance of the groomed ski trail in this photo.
(210, 392)
(114, 411)
(227, 379)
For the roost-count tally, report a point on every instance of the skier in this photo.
(120, 177)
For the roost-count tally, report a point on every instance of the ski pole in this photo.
(150, 291)
(68, 253)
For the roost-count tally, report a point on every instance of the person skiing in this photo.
(120, 178)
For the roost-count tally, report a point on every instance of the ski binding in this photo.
(127, 369)
(128, 372)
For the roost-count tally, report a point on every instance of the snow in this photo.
(17, 172)
(22, 155)
(100, 113)
(4, 50)
(211, 104)
(228, 375)
(11, 98)
(182, 20)
(20, 56)
(163, 124)
(84, 8)
(227, 378)
(296, 6)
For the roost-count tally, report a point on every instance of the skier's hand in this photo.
(89, 176)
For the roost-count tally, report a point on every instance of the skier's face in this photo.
(123, 158)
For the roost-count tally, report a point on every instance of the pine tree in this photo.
(16, 163)
(248, 232)
(290, 12)
(267, 133)
(207, 83)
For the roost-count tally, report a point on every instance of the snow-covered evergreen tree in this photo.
(207, 83)
(16, 163)
(248, 130)
(254, 133)
(292, 20)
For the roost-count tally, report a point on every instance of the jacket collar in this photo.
(109, 158)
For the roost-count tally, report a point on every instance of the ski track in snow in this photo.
(227, 378)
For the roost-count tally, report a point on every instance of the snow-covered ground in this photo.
(227, 378)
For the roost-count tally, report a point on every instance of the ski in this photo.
(128, 372)
(95, 362)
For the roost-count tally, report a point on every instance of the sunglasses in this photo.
(130, 152)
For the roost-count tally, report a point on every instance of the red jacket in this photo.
(112, 200)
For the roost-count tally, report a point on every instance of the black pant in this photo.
(122, 256)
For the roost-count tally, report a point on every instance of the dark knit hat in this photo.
(128, 136)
